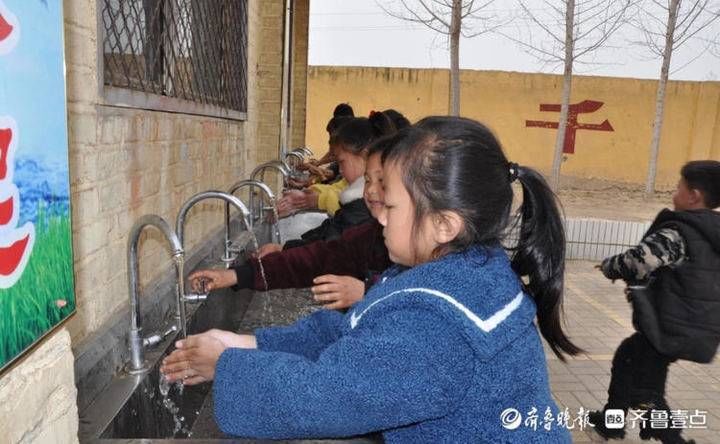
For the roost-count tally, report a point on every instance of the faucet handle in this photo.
(194, 298)
(200, 295)
(158, 338)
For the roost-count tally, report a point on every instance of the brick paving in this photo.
(598, 318)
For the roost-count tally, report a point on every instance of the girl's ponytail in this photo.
(540, 255)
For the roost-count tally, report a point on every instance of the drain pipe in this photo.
(286, 90)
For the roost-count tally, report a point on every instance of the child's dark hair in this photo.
(341, 114)
(383, 145)
(704, 175)
(398, 119)
(456, 164)
(358, 133)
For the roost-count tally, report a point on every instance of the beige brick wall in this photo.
(37, 398)
(301, 20)
(269, 79)
(270, 76)
(125, 163)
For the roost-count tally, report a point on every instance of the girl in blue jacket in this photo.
(444, 348)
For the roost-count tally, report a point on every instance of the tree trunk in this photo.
(566, 91)
(660, 97)
(455, 23)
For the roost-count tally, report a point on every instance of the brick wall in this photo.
(270, 76)
(301, 20)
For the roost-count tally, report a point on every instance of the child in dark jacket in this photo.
(445, 347)
(339, 270)
(676, 313)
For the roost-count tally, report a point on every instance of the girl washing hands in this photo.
(443, 344)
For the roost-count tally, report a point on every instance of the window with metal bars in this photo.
(189, 50)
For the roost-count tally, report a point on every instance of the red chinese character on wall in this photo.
(584, 107)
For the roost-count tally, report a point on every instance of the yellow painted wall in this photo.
(505, 100)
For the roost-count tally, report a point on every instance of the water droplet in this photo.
(164, 385)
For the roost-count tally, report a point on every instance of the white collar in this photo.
(353, 191)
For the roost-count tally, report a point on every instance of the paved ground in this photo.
(598, 318)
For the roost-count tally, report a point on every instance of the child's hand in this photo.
(321, 172)
(194, 360)
(296, 200)
(204, 281)
(232, 340)
(339, 291)
(267, 249)
(298, 183)
(599, 267)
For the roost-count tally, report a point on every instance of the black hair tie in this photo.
(513, 170)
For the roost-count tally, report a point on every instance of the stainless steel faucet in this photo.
(305, 151)
(297, 155)
(258, 174)
(137, 342)
(278, 165)
(182, 298)
(229, 257)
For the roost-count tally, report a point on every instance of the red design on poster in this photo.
(15, 243)
(5, 28)
(5, 138)
(9, 30)
(6, 211)
(584, 107)
(12, 256)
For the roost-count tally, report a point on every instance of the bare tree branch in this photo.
(451, 18)
(697, 56)
(693, 19)
(542, 25)
(531, 48)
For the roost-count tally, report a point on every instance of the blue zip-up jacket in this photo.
(432, 354)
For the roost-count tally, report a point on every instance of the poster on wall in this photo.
(36, 261)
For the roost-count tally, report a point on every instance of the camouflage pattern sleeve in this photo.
(663, 248)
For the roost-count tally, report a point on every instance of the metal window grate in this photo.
(194, 50)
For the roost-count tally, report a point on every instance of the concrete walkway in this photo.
(598, 319)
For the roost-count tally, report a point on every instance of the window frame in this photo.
(114, 96)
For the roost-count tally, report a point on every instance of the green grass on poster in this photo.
(30, 308)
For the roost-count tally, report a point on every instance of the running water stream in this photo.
(267, 307)
(168, 390)
(165, 388)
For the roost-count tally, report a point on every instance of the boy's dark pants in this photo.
(638, 375)
(637, 381)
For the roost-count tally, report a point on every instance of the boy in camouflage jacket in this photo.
(676, 315)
